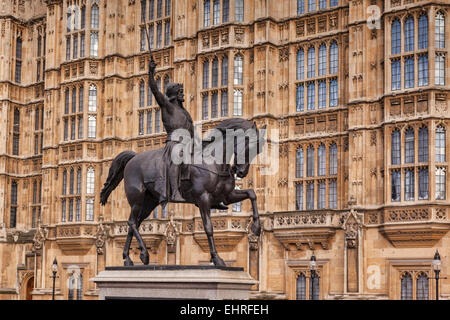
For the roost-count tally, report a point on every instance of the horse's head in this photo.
(246, 147)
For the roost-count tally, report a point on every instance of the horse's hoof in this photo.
(218, 262)
(256, 228)
(145, 257)
(128, 262)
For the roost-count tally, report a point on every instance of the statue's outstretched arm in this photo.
(160, 97)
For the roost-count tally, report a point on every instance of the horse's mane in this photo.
(231, 123)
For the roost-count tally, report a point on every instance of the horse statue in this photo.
(205, 184)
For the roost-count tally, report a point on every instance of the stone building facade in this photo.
(358, 91)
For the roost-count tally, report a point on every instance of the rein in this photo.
(220, 174)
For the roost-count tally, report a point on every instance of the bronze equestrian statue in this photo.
(151, 178)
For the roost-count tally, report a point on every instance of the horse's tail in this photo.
(115, 174)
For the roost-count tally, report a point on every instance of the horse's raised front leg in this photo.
(205, 208)
(240, 195)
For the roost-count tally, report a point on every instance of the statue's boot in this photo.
(177, 197)
(220, 206)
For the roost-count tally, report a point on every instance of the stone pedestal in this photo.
(174, 282)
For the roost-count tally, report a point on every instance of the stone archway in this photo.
(29, 288)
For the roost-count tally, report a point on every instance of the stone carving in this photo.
(298, 219)
(253, 242)
(441, 214)
(352, 225)
(408, 215)
(239, 35)
(100, 236)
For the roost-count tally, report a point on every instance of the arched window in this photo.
(300, 64)
(159, 9)
(440, 183)
(237, 207)
(332, 194)
(301, 287)
(239, 11)
(423, 144)
(322, 60)
(141, 123)
(214, 104)
(423, 184)
(206, 13)
(332, 159)
(63, 209)
(311, 62)
(409, 73)
(333, 58)
(225, 10)
(141, 94)
(439, 33)
(74, 100)
(215, 73)
(64, 182)
(151, 9)
(395, 75)
(167, 7)
(143, 39)
(92, 126)
(224, 103)
(16, 130)
(205, 74)
(310, 195)
(237, 110)
(409, 34)
(13, 212)
(94, 44)
(149, 95)
(395, 186)
(322, 94)
(423, 70)
(333, 3)
(300, 98)
(94, 16)
(314, 288)
(66, 101)
(205, 106)
(238, 70)
(71, 181)
(322, 4)
(299, 163)
(333, 96)
(78, 210)
(321, 195)
(80, 287)
(311, 5)
(396, 37)
(440, 144)
(300, 6)
(79, 181)
(216, 11)
(310, 162)
(440, 69)
(71, 286)
(423, 31)
(90, 209)
(90, 181)
(18, 60)
(406, 287)
(299, 196)
(143, 10)
(409, 184)
(311, 96)
(225, 71)
(321, 161)
(34, 192)
(422, 287)
(395, 147)
(80, 99)
(409, 145)
(92, 98)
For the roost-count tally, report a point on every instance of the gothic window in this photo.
(395, 76)
(64, 183)
(409, 184)
(322, 4)
(167, 33)
(71, 286)
(396, 37)
(149, 121)
(237, 111)
(206, 13)
(90, 181)
(311, 5)
(439, 33)
(423, 144)
(299, 196)
(82, 45)
(90, 209)
(440, 184)
(321, 195)
(237, 207)
(214, 101)
(94, 44)
(143, 10)
(141, 123)
(440, 144)
(141, 94)
(156, 212)
(159, 9)
(395, 186)
(205, 106)
(216, 11)
(225, 10)
(423, 70)
(74, 100)
(80, 287)
(71, 181)
(70, 210)
(157, 121)
(68, 48)
(422, 287)
(224, 103)
(92, 98)
(409, 34)
(322, 94)
(94, 17)
(310, 196)
(92, 126)
(300, 98)
(66, 101)
(406, 287)
(239, 11)
(149, 96)
(440, 69)
(75, 46)
(311, 96)
(314, 288)
(334, 58)
(322, 60)
(333, 99)
(423, 184)
(300, 64)
(409, 145)
(79, 181)
(215, 73)
(16, 132)
(205, 74)
(311, 62)
(238, 70)
(301, 287)
(18, 71)
(299, 163)
(13, 210)
(332, 194)
(333, 3)
(423, 32)
(409, 73)
(151, 35)
(80, 127)
(300, 6)
(143, 40)
(66, 129)
(83, 18)
(310, 162)
(225, 71)
(333, 159)
(395, 147)
(63, 210)
(321, 161)
(78, 210)
(151, 9)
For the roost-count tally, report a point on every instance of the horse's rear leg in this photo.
(126, 249)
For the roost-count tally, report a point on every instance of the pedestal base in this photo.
(174, 282)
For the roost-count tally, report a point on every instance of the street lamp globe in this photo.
(55, 266)
(436, 261)
(312, 263)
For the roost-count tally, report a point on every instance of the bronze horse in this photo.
(205, 184)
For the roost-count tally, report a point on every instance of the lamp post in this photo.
(54, 271)
(437, 270)
(312, 268)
